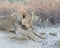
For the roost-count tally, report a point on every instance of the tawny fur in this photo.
(11, 23)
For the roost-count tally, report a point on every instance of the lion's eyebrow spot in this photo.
(23, 15)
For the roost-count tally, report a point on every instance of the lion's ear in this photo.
(32, 15)
(23, 15)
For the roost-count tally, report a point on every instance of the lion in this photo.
(20, 24)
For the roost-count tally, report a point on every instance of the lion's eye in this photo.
(23, 16)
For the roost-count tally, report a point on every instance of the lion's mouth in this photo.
(24, 27)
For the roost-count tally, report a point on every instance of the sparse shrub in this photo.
(53, 34)
(58, 42)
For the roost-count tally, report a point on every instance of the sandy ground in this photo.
(50, 41)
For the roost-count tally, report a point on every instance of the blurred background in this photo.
(46, 12)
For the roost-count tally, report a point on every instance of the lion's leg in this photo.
(29, 34)
(32, 36)
(12, 30)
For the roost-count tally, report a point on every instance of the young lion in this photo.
(21, 24)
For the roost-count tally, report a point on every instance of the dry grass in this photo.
(39, 7)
